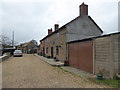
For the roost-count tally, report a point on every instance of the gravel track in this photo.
(31, 72)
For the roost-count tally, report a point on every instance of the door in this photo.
(86, 56)
(80, 55)
(52, 52)
(73, 55)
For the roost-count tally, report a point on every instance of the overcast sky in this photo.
(30, 19)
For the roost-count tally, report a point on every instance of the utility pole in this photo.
(13, 39)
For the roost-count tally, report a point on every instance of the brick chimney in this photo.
(49, 31)
(83, 9)
(56, 26)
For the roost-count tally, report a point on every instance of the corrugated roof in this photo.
(94, 37)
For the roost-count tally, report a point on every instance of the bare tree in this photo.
(5, 41)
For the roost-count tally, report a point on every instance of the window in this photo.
(53, 42)
(57, 50)
(47, 50)
(57, 35)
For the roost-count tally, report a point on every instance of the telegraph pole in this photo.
(13, 39)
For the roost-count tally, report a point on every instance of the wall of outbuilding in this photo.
(106, 55)
(102, 55)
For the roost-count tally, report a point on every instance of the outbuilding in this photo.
(97, 54)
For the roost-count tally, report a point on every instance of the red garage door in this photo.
(81, 55)
(73, 55)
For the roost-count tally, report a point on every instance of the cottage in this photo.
(55, 44)
(28, 47)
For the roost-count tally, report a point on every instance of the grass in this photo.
(110, 82)
(63, 69)
(60, 68)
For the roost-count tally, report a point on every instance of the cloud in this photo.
(31, 19)
(106, 16)
(22, 18)
(56, 0)
(0, 19)
(119, 16)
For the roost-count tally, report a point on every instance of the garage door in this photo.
(73, 55)
(81, 55)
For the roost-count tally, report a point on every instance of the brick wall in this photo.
(57, 39)
(61, 42)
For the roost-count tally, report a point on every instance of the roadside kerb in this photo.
(3, 58)
(51, 61)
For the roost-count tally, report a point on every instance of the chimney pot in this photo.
(49, 31)
(83, 9)
(56, 26)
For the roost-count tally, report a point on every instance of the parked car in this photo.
(17, 53)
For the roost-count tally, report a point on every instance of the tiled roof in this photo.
(25, 44)
(64, 26)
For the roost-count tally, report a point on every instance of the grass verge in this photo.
(60, 68)
(110, 82)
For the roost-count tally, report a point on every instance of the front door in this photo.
(52, 52)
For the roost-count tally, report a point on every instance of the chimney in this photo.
(56, 26)
(49, 31)
(83, 9)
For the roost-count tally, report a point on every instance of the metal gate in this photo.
(80, 55)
